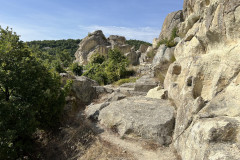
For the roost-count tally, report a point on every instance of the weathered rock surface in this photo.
(143, 48)
(116, 96)
(171, 21)
(155, 43)
(215, 128)
(133, 57)
(157, 93)
(140, 116)
(84, 90)
(116, 40)
(143, 58)
(123, 48)
(95, 41)
(103, 90)
(92, 111)
(202, 81)
(145, 83)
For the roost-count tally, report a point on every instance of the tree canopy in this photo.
(30, 96)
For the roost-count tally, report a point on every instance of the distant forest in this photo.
(69, 45)
(137, 43)
(54, 46)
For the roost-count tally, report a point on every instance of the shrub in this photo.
(30, 96)
(58, 66)
(169, 42)
(97, 58)
(106, 70)
(76, 69)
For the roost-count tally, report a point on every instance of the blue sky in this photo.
(64, 19)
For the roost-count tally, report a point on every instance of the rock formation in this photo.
(140, 116)
(96, 42)
(203, 80)
(171, 21)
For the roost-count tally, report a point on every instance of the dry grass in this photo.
(126, 80)
(102, 150)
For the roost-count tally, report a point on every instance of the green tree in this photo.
(108, 69)
(76, 69)
(30, 96)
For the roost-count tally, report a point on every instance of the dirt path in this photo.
(136, 148)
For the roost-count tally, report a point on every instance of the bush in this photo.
(106, 70)
(76, 69)
(58, 66)
(30, 96)
(169, 42)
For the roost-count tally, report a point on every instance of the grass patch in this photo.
(126, 80)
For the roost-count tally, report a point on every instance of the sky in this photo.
(74, 19)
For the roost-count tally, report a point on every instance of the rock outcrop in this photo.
(84, 90)
(171, 21)
(139, 116)
(96, 42)
(203, 81)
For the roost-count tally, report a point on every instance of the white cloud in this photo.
(141, 33)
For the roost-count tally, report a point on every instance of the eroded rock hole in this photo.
(207, 2)
(189, 81)
(177, 69)
(197, 87)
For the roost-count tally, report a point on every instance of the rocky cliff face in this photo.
(203, 82)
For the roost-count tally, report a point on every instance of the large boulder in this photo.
(143, 48)
(126, 48)
(147, 118)
(84, 90)
(116, 40)
(94, 42)
(201, 82)
(157, 93)
(133, 57)
(162, 60)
